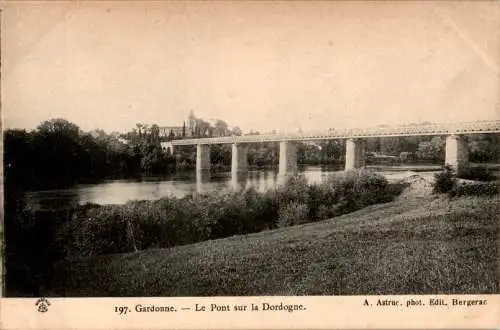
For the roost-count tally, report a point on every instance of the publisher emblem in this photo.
(43, 305)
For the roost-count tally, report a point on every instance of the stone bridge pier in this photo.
(457, 153)
(457, 157)
(287, 161)
(202, 165)
(354, 154)
(239, 166)
(202, 158)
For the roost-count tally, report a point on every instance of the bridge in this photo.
(456, 146)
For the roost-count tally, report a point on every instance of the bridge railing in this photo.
(408, 130)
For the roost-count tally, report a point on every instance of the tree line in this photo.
(58, 153)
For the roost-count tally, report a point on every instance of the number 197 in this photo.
(122, 310)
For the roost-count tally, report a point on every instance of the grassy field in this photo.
(411, 245)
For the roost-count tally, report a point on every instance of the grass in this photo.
(410, 245)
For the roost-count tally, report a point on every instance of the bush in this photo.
(477, 173)
(319, 197)
(444, 181)
(264, 207)
(31, 245)
(292, 214)
(218, 168)
(356, 189)
(177, 221)
(184, 221)
(295, 189)
(163, 223)
(228, 215)
(325, 212)
(475, 189)
(166, 222)
(99, 231)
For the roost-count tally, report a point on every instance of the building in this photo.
(187, 129)
(177, 131)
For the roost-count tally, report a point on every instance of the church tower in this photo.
(191, 124)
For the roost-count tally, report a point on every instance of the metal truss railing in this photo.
(408, 130)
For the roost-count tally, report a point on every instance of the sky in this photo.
(257, 65)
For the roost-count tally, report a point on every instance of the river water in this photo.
(178, 185)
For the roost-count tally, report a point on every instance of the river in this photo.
(178, 185)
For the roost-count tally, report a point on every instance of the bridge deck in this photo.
(434, 129)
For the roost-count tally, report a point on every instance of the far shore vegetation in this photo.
(59, 154)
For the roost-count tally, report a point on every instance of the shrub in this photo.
(31, 244)
(295, 189)
(318, 196)
(161, 224)
(371, 187)
(444, 181)
(97, 231)
(264, 207)
(327, 211)
(324, 201)
(218, 168)
(475, 189)
(292, 214)
(477, 173)
(229, 215)
(194, 222)
(356, 189)
(172, 221)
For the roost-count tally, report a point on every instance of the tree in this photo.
(139, 129)
(431, 150)
(18, 159)
(410, 143)
(202, 127)
(220, 154)
(154, 134)
(59, 126)
(60, 156)
(484, 147)
(236, 131)
(373, 144)
(390, 145)
(153, 161)
(220, 128)
(332, 149)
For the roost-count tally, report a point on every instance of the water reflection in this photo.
(202, 180)
(53, 199)
(179, 185)
(239, 181)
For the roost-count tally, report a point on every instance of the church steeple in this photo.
(191, 123)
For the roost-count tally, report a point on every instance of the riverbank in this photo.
(418, 243)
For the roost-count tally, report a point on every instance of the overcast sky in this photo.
(256, 65)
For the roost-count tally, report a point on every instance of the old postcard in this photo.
(250, 164)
